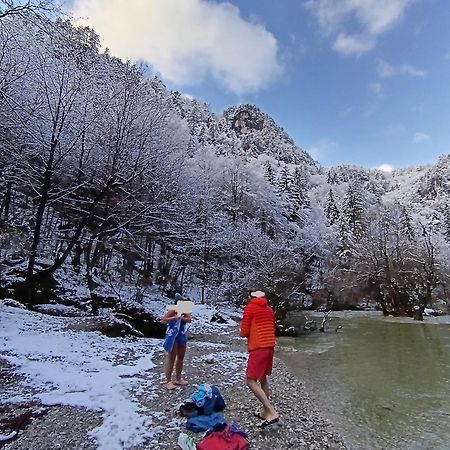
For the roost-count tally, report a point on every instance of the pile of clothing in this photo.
(203, 411)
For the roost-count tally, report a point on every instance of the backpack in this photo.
(209, 405)
(227, 437)
(213, 404)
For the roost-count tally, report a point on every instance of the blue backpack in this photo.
(209, 405)
(213, 404)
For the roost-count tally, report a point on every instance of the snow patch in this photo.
(83, 370)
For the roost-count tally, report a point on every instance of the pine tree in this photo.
(446, 224)
(298, 195)
(285, 180)
(269, 173)
(406, 224)
(353, 211)
(331, 210)
(298, 191)
(332, 177)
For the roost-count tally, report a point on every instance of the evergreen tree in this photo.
(406, 224)
(285, 180)
(298, 191)
(353, 210)
(269, 172)
(298, 195)
(202, 135)
(331, 210)
(446, 224)
(332, 177)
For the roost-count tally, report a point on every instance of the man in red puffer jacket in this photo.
(258, 326)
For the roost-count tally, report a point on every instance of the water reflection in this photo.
(384, 382)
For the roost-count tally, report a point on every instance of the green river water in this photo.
(383, 382)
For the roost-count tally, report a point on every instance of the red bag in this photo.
(223, 440)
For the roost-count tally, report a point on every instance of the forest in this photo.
(112, 186)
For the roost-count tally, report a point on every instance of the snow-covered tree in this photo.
(331, 209)
(269, 172)
(353, 210)
(17, 7)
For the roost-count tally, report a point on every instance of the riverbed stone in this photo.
(302, 427)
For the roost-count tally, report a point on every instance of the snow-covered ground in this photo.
(65, 366)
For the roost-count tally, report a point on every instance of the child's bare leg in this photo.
(181, 351)
(170, 360)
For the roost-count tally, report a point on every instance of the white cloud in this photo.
(187, 40)
(352, 44)
(420, 138)
(385, 168)
(386, 70)
(337, 19)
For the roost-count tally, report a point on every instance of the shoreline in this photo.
(303, 426)
(213, 358)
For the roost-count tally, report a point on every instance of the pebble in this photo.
(302, 426)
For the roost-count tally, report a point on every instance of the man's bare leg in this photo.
(265, 386)
(269, 411)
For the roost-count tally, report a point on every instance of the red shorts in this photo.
(259, 363)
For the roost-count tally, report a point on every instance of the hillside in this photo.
(112, 186)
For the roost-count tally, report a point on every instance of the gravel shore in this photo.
(211, 358)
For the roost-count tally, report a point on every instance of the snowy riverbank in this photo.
(107, 393)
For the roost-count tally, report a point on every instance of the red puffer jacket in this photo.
(258, 324)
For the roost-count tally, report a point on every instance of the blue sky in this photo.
(362, 82)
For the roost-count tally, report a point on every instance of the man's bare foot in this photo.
(170, 386)
(181, 382)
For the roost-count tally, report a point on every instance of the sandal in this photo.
(268, 423)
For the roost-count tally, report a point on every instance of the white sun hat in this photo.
(258, 294)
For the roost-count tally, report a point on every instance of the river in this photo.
(383, 382)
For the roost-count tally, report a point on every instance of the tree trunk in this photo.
(418, 312)
(75, 238)
(148, 257)
(4, 211)
(43, 199)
